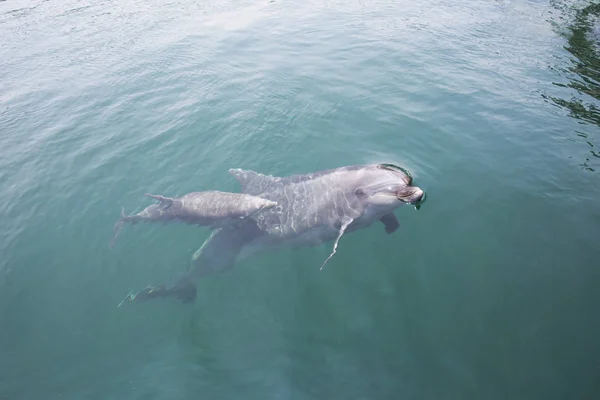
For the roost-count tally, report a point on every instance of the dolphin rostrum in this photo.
(311, 209)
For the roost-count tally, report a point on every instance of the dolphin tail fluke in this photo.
(183, 290)
(118, 227)
(162, 199)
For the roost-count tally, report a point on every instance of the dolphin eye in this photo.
(360, 192)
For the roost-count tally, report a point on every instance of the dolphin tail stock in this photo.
(218, 253)
(183, 290)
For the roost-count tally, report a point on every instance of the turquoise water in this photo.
(489, 291)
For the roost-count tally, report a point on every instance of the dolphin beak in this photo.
(412, 195)
(419, 197)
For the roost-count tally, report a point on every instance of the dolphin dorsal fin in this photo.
(162, 199)
(252, 182)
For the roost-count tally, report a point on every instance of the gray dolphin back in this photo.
(213, 207)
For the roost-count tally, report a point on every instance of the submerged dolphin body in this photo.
(311, 209)
(210, 208)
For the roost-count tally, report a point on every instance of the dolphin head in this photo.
(387, 186)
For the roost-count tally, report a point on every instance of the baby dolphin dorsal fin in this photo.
(346, 221)
(252, 182)
(161, 199)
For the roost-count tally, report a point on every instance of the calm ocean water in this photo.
(489, 291)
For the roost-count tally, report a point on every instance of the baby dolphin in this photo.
(210, 208)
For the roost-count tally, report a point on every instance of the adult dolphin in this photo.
(311, 209)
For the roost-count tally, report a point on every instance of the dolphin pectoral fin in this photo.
(345, 225)
(390, 222)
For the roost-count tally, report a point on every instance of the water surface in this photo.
(489, 291)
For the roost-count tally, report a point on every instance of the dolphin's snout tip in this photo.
(418, 196)
(412, 195)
